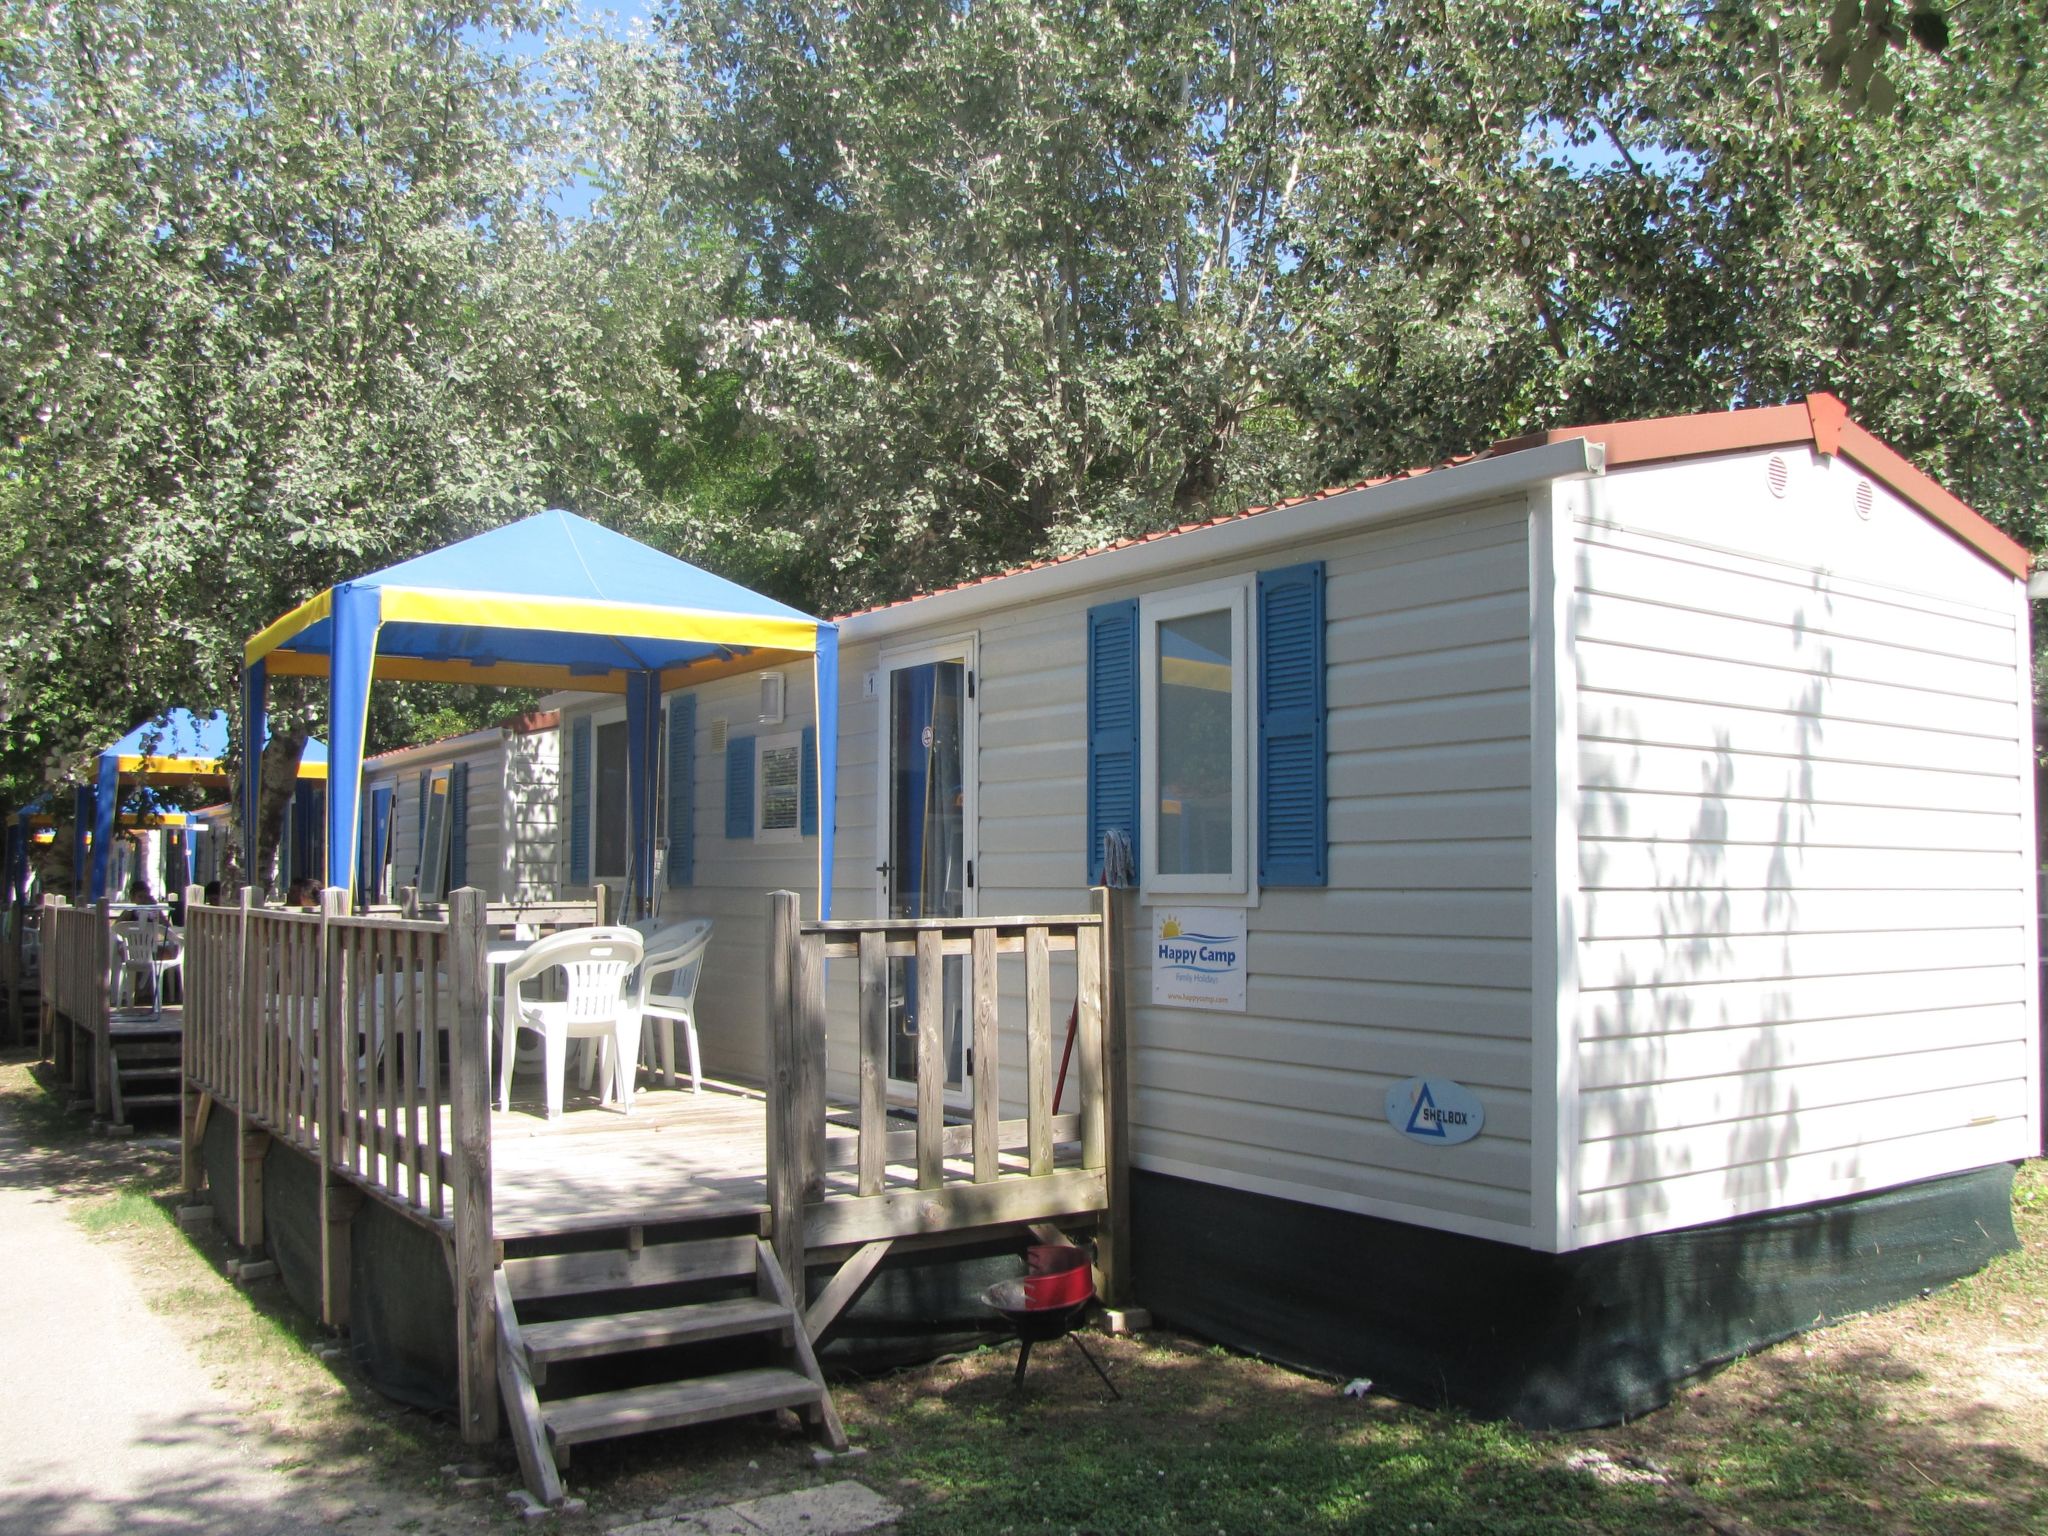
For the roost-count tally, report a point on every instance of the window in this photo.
(608, 804)
(434, 838)
(1194, 702)
(778, 787)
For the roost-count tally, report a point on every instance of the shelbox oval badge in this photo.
(1435, 1109)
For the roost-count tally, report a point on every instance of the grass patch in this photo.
(129, 1209)
(1207, 1442)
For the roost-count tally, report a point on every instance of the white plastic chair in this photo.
(166, 954)
(599, 1001)
(133, 943)
(668, 993)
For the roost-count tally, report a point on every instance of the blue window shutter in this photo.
(1112, 728)
(1293, 776)
(458, 826)
(739, 788)
(682, 790)
(419, 857)
(579, 802)
(807, 780)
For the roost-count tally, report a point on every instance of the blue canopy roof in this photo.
(180, 744)
(552, 601)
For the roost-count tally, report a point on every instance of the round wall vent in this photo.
(1866, 498)
(1779, 473)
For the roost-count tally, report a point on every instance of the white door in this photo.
(926, 818)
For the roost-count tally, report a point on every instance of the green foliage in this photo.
(874, 298)
(278, 278)
(1009, 278)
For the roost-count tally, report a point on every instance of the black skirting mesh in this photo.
(1554, 1341)
(402, 1309)
(402, 1303)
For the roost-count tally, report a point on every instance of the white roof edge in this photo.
(1347, 512)
(431, 751)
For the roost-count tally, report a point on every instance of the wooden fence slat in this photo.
(809, 983)
(384, 1172)
(430, 1068)
(409, 1067)
(931, 1060)
(1038, 1048)
(988, 1083)
(874, 1063)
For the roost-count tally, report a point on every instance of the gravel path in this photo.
(107, 1422)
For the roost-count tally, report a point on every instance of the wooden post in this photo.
(785, 1102)
(335, 1055)
(17, 919)
(50, 1045)
(1113, 1243)
(469, 1071)
(250, 1142)
(191, 1052)
(101, 948)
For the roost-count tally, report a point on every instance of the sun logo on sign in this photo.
(1170, 929)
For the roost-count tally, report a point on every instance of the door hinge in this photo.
(970, 683)
(970, 1061)
(970, 874)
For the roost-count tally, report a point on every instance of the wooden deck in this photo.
(677, 1157)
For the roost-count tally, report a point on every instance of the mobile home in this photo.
(1583, 919)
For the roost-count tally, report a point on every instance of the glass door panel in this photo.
(926, 870)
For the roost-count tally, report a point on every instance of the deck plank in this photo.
(677, 1157)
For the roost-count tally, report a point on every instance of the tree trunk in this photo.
(279, 775)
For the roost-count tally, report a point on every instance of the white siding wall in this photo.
(531, 859)
(1803, 847)
(486, 816)
(1415, 959)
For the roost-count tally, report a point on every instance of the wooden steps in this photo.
(586, 1338)
(145, 1069)
(671, 1405)
(646, 1310)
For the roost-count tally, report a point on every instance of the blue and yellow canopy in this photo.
(555, 601)
(177, 747)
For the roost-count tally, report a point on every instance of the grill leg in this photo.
(1088, 1355)
(1023, 1359)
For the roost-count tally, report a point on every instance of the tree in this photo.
(1002, 279)
(280, 284)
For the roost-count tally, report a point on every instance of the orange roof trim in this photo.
(1821, 420)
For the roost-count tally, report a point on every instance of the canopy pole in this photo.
(17, 859)
(255, 732)
(643, 748)
(825, 680)
(106, 801)
(82, 797)
(358, 613)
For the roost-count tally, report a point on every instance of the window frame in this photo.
(434, 818)
(1233, 595)
(599, 719)
(778, 741)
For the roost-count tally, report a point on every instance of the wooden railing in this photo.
(77, 963)
(949, 1169)
(324, 1031)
